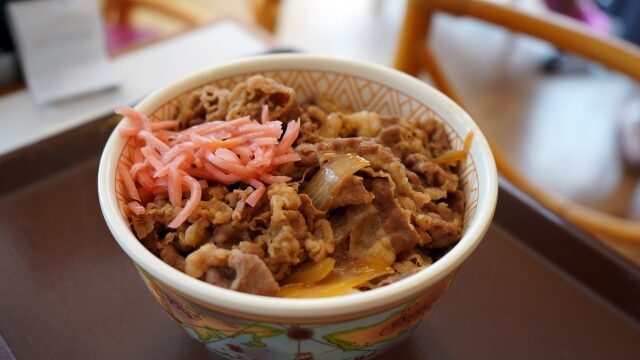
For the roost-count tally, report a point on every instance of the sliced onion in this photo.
(310, 272)
(328, 181)
(342, 280)
(453, 156)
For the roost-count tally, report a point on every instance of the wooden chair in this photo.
(122, 35)
(265, 13)
(413, 55)
(118, 11)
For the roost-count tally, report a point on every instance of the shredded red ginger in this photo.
(176, 162)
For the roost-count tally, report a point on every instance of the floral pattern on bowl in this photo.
(236, 338)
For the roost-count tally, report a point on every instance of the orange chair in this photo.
(122, 35)
(265, 13)
(118, 11)
(565, 34)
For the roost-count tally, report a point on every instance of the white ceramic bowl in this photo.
(236, 324)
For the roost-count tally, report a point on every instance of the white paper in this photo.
(62, 48)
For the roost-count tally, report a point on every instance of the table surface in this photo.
(69, 292)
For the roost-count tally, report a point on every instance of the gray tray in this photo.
(535, 288)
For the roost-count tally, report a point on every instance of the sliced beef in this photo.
(367, 239)
(395, 221)
(310, 212)
(363, 123)
(284, 238)
(237, 201)
(311, 121)
(192, 111)
(457, 200)
(310, 154)
(250, 247)
(444, 233)
(283, 250)
(228, 235)
(399, 136)
(248, 97)
(317, 115)
(217, 192)
(252, 275)
(340, 228)
(352, 192)
(441, 233)
(410, 260)
(409, 202)
(411, 143)
(194, 235)
(433, 174)
(158, 214)
(321, 243)
(261, 221)
(205, 257)
(388, 280)
(215, 102)
(232, 269)
(381, 158)
(437, 140)
(170, 255)
(220, 277)
(214, 211)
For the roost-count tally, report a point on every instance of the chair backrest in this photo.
(565, 34)
(120, 9)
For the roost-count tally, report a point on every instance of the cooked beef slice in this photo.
(367, 239)
(232, 269)
(352, 192)
(248, 97)
(395, 221)
(215, 102)
(252, 275)
(170, 255)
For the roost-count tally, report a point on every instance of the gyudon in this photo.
(248, 189)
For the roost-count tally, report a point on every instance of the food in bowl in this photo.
(248, 189)
(235, 324)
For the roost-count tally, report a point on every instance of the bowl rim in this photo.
(286, 308)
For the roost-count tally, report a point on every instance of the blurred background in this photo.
(568, 125)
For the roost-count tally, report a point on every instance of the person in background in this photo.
(584, 11)
(10, 76)
(628, 13)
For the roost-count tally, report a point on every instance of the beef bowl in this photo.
(297, 206)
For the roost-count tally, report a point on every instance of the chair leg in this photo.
(265, 13)
(117, 11)
(412, 37)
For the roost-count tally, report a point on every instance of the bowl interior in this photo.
(351, 92)
(356, 86)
